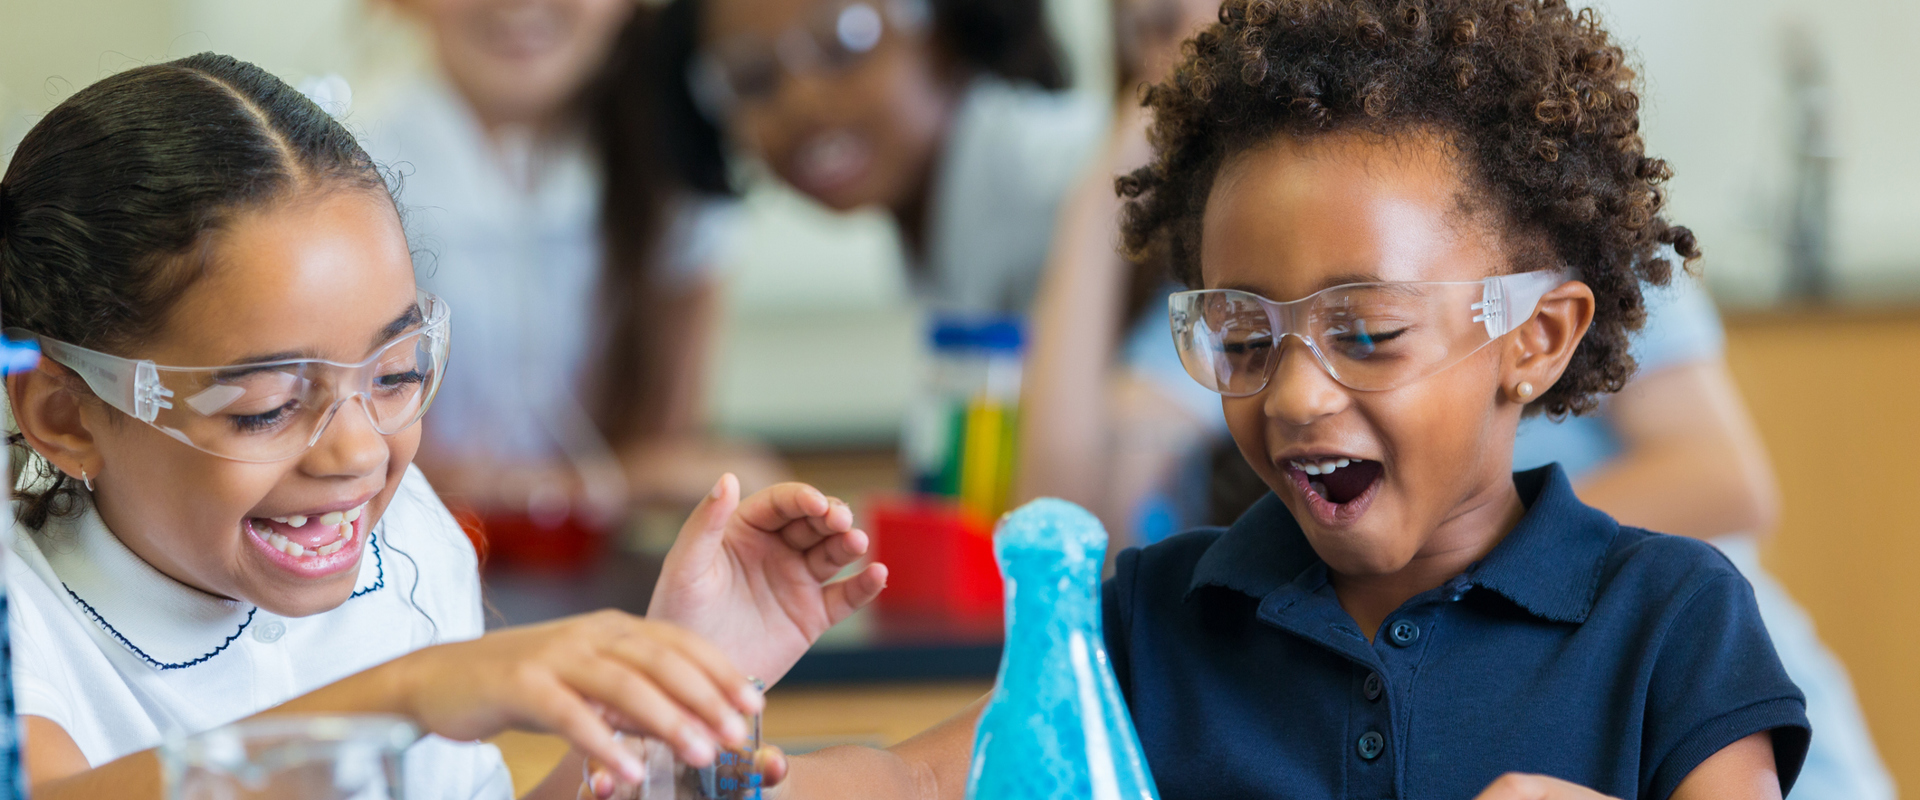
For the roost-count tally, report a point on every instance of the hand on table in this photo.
(1515, 786)
(752, 576)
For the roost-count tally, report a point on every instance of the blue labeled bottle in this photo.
(1056, 728)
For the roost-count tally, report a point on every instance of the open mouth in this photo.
(1337, 488)
(312, 546)
(831, 162)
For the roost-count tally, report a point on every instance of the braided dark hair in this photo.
(108, 198)
(1536, 98)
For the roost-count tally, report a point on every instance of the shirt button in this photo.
(1371, 744)
(1404, 633)
(1373, 687)
(270, 632)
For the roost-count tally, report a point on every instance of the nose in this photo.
(348, 446)
(1301, 391)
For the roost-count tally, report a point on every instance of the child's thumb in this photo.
(706, 527)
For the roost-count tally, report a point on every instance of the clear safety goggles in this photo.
(1369, 336)
(268, 411)
(748, 69)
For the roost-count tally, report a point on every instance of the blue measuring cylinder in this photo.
(1056, 728)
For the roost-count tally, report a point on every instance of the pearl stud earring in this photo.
(1523, 390)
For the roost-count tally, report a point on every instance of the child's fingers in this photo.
(827, 558)
(843, 597)
(647, 706)
(688, 684)
(771, 763)
(805, 534)
(716, 664)
(772, 509)
(565, 715)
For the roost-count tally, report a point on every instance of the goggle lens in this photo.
(1366, 336)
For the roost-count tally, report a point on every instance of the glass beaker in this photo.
(733, 775)
(290, 758)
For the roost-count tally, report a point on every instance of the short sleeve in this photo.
(1717, 680)
(699, 236)
(1682, 326)
(34, 667)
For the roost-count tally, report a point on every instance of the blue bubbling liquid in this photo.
(1056, 728)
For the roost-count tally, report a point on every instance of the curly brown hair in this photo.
(1537, 100)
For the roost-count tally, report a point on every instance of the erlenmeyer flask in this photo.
(290, 758)
(1057, 728)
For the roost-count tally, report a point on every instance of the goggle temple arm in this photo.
(1506, 301)
(131, 386)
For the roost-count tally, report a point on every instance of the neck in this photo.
(1473, 529)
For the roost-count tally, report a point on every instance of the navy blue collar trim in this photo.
(1550, 563)
(380, 581)
(379, 566)
(151, 661)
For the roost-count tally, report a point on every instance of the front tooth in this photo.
(1342, 463)
(298, 550)
(1310, 469)
(353, 514)
(332, 518)
(1327, 467)
(281, 520)
(330, 549)
(297, 521)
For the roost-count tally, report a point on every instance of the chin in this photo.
(1358, 551)
(305, 601)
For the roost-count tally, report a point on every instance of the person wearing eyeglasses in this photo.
(218, 517)
(579, 251)
(947, 114)
(1103, 385)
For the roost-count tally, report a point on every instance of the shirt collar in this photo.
(163, 622)
(1549, 564)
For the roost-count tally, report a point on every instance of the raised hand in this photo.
(756, 578)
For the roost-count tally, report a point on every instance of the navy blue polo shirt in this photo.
(1604, 655)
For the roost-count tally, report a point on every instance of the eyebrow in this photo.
(407, 319)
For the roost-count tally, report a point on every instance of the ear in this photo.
(1538, 350)
(53, 416)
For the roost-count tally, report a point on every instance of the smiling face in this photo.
(863, 135)
(322, 275)
(1424, 461)
(521, 61)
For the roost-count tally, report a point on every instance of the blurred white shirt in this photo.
(1013, 153)
(509, 235)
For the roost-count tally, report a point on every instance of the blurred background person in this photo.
(577, 241)
(948, 114)
(1676, 452)
(1109, 418)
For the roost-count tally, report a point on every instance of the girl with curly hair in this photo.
(1406, 225)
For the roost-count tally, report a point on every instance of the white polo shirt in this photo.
(119, 655)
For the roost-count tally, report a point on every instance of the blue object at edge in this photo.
(1057, 727)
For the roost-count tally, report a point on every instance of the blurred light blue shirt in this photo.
(1682, 326)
